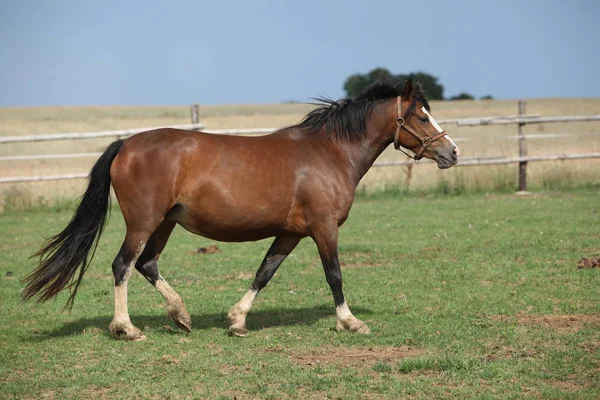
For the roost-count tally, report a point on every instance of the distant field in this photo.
(485, 141)
(474, 296)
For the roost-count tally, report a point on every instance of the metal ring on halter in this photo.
(398, 121)
(426, 141)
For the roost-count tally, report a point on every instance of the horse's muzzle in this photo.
(447, 159)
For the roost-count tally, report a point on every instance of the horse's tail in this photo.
(62, 254)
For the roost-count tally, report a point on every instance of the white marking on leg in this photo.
(343, 313)
(166, 290)
(175, 306)
(237, 315)
(121, 311)
(121, 321)
(246, 302)
(347, 321)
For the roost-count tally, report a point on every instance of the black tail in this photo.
(63, 254)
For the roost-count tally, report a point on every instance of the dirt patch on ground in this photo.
(561, 323)
(590, 347)
(565, 323)
(572, 384)
(507, 352)
(212, 249)
(94, 392)
(355, 355)
(565, 386)
(589, 263)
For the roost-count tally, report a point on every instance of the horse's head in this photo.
(417, 131)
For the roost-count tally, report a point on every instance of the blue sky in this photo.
(234, 52)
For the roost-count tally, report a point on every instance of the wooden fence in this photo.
(520, 120)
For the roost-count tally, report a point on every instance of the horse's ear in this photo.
(408, 90)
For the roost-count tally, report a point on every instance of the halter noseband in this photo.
(425, 141)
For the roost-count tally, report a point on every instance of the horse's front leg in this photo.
(281, 247)
(327, 242)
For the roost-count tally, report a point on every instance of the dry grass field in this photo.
(482, 141)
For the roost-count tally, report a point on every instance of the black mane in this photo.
(347, 118)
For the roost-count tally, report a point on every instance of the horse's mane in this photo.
(346, 119)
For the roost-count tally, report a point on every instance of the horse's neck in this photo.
(361, 156)
(363, 153)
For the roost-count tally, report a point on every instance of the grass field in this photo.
(475, 296)
(483, 141)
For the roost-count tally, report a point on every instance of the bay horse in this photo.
(296, 182)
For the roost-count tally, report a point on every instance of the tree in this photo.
(486, 97)
(379, 73)
(431, 87)
(462, 96)
(357, 82)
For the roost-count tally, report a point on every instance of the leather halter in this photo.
(425, 141)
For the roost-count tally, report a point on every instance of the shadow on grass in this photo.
(256, 321)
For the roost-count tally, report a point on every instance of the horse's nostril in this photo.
(456, 151)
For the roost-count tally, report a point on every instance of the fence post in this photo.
(195, 113)
(522, 150)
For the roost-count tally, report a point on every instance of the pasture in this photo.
(483, 141)
(470, 296)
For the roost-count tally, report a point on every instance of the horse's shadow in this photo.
(257, 320)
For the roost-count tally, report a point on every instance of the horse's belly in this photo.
(230, 234)
(229, 225)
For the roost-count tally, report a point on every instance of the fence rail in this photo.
(89, 135)
(49, 156)
(42, 178)
(527, 119)
(520, 119)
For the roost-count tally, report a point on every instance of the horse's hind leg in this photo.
(132, 248)
(147, 265)
(281, 247)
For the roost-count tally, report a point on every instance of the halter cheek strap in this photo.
(425, 141)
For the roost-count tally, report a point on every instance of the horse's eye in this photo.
(423, 120)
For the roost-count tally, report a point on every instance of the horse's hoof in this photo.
(182, 319)
(355, 325)
(364, 329)
(186, 326)
(239, 331)
(137, 337)
(127, 332)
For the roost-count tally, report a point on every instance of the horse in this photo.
(297, 182)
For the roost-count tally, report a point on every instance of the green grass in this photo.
(459, 283)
